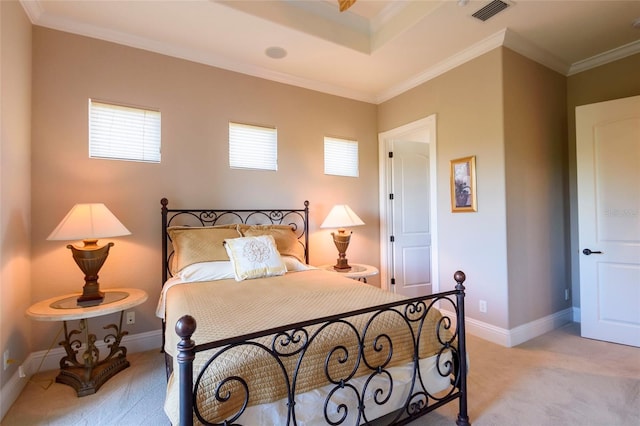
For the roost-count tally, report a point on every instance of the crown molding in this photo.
(504, 37)
(519, 44)
(387, 14)
(480, 48)
(34, 11)
(606, 57)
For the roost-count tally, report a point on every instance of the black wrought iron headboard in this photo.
(298, 219)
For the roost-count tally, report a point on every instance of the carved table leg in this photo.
(87, 376)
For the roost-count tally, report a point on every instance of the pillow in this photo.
(199, 244)
(173, 259)
(286, 240)
(173, 264)
(294, 265)
(254, 257)
(206, 271)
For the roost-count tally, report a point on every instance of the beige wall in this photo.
(536, 181)
(508, 111)
(468, 102)
(615, 80)
(15, 186)
(196, 102)
(471, 102)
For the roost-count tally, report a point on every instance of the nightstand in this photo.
(358, 271)
(87, 376)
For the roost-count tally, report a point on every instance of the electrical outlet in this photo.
(21, 372)
(131, 317)
(566, 294)
(483, 306)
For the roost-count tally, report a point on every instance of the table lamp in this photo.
(89, 222)
(341, 216)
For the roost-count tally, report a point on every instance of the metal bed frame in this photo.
(293, 340)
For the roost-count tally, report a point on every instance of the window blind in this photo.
(253, 147)
(123, 133)
(340, 157)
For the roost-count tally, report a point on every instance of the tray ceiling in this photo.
(371, 52)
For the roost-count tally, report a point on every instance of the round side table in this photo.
(358, 271)
(87, 376)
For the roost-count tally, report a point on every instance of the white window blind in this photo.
(123, 133)
(253, 147)
(340, 157)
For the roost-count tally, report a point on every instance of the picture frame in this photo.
(463, 185)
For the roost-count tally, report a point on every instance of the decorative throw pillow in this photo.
(199, 244)
(254, 257)
(286, 240)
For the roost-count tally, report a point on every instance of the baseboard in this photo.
(491, 333)
(50, 360)
(576, 314)
(539, 327)
(10, 392)
(518, 335)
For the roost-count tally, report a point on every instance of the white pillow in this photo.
(207, 271)
(254, 257)
(294, 265)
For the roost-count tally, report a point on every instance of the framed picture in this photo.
(463, 185)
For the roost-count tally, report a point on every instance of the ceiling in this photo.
(372, 52)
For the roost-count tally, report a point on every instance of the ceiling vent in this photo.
(492, 9)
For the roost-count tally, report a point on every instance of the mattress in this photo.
(226, 308)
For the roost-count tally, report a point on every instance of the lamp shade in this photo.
(341, 216)
(88, 222)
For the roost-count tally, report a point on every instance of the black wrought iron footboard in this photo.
(293, 342)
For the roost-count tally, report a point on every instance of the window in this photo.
(340, 157)
(253, 147)
(123, 133)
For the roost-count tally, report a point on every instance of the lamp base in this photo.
(342, 267)
(90, 259)
(90, 296)
(341, 240)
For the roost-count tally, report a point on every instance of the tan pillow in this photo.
(199, 244)
(286, 240)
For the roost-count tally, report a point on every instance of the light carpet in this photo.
(134, 396)
(555, 379)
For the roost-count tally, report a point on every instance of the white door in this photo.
(608, 172)
(409, 205)
(408, 241)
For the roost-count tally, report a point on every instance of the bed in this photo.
(254, 335)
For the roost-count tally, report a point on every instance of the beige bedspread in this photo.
(227, 308)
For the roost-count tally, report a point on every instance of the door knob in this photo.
(587, 252)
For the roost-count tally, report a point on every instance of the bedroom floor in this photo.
(132, 397)
(555, 379)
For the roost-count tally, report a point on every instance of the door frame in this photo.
(425, 131)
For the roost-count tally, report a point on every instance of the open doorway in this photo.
(408, 231)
